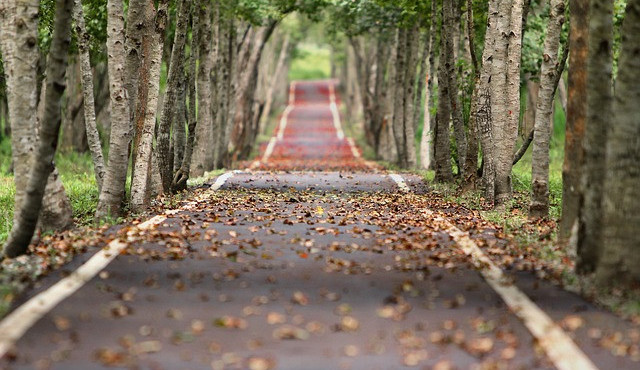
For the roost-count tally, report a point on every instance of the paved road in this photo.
(345, 268)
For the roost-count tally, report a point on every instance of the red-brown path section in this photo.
(286, 269)
(309, 134)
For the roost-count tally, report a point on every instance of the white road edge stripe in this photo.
(280, 134)
(558, 346)
(16, 324)
(334, 111)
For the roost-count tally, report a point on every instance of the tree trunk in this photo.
(113, 193)
(19, 29)
(483, 113)
(399, 96)
(93, 137)
(285, 51)
(619, 265)
(179, 137)
(450, 33)
(148, 91)
(576, 116)
(203, 132)
(226, 92)
(506, 95)
(539, 206)
(471, 161)
(23, 229)
(599, 113)
(74, 136)
(443, 114)
(175, 74)
(413, 43)
(138, 26)
(202, 149)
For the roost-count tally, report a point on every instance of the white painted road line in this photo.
(354, 150)
(334, 112)
(13, 327)
(400, 182)
(284, 121)
(558, 346)
(269, 150)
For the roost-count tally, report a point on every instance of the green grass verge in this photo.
(76, 173)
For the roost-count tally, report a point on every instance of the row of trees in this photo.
(470, 61)
(455, 69)
(158, 127)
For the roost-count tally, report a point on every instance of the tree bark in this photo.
(410, 92)
(539, 207)
(113, 187)
(599, 113)
(174, 76)
(147, 104)
(137, 27)
(202, 150)
(443, 115)
(93, 137)
(471, 162)
(576, 117)
(619, 265)
(23, 230)
(19, 30)
(506, 95)
(484, 113)
(226, 91)
(451, 31)
(203, 132)
(399, 96)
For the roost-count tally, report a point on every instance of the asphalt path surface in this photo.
(280, 267)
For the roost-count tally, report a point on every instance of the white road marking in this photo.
(354, 150)
(334, 112)
(269, 150)
(284, 121)
(16, 324)
(400, 182)
(558, 346)
(292, 93)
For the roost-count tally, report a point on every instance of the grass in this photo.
(76, 173)
(310, 62)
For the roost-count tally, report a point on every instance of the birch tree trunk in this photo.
(539, 206)
(174, 75)
(153, 44)
(226, 91)
(18, 30)
(200, 135)
(138, 26)
(576, 117)
(450, 33)
(506, 63)
(620, 262)
(23, 230)
(483, 113)
(410, 80)
(399, 96)
(471, 162)
(443, 114)
(112, 194)
(93, 138)
(201, 148)
(599, 113)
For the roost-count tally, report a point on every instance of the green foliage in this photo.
(310, 62)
